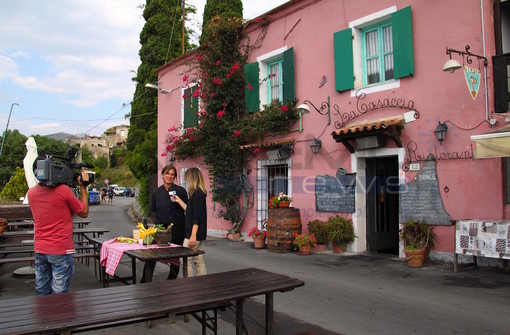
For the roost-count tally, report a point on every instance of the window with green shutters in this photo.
(275, 81)
(386, 49)
(190, 108)
(270, 78)
(377, 51)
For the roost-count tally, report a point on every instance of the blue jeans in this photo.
(53, 273)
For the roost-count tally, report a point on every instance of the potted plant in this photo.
(304, 243)
(320, 229)
(280, 201)
(418, 237)
(340, 232)
(259, 236)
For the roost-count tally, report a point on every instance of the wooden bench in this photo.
(112, 306)
(7, 260)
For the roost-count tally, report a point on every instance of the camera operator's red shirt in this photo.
(52, 209)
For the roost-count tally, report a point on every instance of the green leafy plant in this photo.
(304, 239)
(340, 230)
(416, 234)
(217, 73)
(320, 229)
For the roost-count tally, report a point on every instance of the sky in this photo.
(66, 66)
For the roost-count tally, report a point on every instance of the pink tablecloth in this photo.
(111, 253)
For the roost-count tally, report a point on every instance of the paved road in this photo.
(343, 294)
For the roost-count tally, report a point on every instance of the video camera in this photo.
(55, 170)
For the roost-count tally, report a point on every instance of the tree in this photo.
(12, 155)
(223, 8)
(16, 187)
(50, 146)
(161, 42)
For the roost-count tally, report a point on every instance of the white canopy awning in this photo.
(493, 144)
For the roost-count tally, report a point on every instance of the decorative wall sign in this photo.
(414, 156)
(363, 107)
(483, 238)
(472, 76)
(420, 199)
(336, 194)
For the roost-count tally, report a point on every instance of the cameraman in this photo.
(53, 208)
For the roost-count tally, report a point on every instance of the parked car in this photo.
(130, 192)
(117, 190)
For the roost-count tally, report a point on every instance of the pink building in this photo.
(371, 74)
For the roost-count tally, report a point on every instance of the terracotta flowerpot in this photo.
(339, 248)
(305, 250)
(259, 242)
(284, 204)
(321, 248)
(415, 258)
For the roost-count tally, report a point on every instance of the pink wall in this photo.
(475, 188)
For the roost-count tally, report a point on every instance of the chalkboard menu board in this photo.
(336, 194)
(420, 199)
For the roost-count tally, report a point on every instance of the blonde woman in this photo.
(195, 228)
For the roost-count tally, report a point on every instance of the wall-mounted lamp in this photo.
(440, 132)
(316, 146)
(451, 65)
(324, 110)
(162, 90)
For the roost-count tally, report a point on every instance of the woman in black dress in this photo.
(195, 230)
(164, 211)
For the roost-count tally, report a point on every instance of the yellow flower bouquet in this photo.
(146, 234)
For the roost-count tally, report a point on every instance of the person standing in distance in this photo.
(53, 208)
(195, 229)
(164, 211)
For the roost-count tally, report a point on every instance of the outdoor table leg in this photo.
(133, 270)
(269, 313)
(148, 273)
(239, 317)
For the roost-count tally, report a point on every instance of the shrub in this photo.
(320, 229)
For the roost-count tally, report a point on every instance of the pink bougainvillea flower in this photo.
(168, 148)
(257, 19)
(163, 154)
(218, 62)
(196, 93)
(221, 113)
(213, 94)
(284, 108)
(185, 96)
(249, 87)
(256, 150)
(235, 67)
(185, 77)
(200, 57)
(237, 133)
(224, 104)
(229, 74)
(217, 81)
(271, 75)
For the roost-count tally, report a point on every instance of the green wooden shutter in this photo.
(403, 56)
(251, 96)
(344, 69)
(500, 73)
(190, 108)
(289, 92)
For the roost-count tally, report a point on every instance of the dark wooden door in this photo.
(382, 187)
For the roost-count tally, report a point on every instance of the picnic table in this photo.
(141, 253)
(113, 306)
